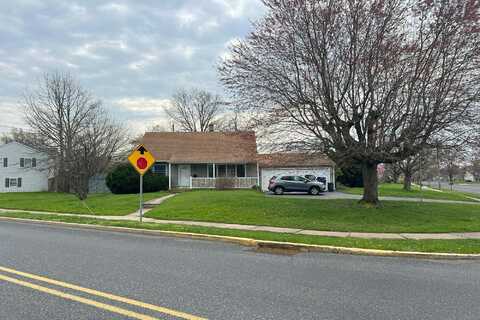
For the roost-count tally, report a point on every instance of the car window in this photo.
(302, 179)
(286, 178)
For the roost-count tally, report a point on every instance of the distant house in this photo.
(468, 177)
(22, 168)
(208, 159)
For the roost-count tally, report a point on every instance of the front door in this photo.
(184, 175)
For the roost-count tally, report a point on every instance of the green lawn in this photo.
(100, 204)
(449, 246)
(251, 207)
(396, 190)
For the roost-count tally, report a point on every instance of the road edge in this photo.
(260, 244)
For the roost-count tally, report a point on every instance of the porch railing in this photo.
(223, 182)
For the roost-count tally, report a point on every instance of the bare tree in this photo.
(234, 120)
(194, 110)
(20, 135)
(94, 150)
(392, 172)
(415, 167)
(451, 160)
(366, 82)
(65, 118)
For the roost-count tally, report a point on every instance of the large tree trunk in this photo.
(370, 183)
(407, 181)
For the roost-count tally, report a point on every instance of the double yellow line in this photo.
(100, 305)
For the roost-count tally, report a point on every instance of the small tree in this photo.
(194, 110)
(366, 82)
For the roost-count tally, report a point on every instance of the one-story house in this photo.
(226, 159)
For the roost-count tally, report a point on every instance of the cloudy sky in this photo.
(131, 54)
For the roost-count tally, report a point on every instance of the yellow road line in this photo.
(109, 296)
(72, 297)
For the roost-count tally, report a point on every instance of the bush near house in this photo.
(124, 179)
(350, 176)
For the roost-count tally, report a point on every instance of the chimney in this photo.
(211, 127)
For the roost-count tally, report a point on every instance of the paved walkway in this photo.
(149, 205)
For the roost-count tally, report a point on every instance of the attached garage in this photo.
(300, 164)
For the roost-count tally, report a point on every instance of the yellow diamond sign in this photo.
(141, 159)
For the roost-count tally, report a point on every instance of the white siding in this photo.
(33, 179)
(268, 173)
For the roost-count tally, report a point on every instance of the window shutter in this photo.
(7, 183)
(34, 162)
(22, 162)
(5, 162)
(19, 182)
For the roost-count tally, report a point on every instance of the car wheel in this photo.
(314, 191)
(278, 190)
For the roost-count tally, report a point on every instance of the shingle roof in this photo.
(293, 160)
(202, 147)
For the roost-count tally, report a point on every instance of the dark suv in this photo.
(279, 185)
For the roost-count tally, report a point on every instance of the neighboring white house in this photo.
(22, 169)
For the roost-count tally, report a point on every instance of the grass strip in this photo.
(444, 246)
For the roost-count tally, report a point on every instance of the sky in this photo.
(133, 55)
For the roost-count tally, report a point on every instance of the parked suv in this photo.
(282, 184)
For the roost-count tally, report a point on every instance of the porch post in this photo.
(258, 175)
(169, 176)
(214, 174)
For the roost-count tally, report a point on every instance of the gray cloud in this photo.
(131, 54)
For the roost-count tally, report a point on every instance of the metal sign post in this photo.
(141, 197)
(141, 159)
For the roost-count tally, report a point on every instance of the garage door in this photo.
(268, 173)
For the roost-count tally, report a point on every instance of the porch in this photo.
(209, 175)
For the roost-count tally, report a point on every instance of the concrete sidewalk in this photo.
(340, 234)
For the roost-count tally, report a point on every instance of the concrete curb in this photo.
(260, 244)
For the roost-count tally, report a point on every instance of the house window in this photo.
(5, 162)
(240, 170)
(221, 170)
(210, 170)
(28, 162)
(231, 170)
(160, 169)
(13, 182)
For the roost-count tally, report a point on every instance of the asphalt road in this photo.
(221, 281)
